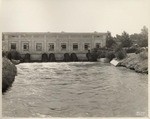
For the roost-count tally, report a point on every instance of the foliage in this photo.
(144, 31)
(118, 48)
(122, 44)
(110, 55)
(142, 38)
(124, 39)
(121, 54)
(102, 55)
(130, 50)
(13, 55)
(94, 54)
(9, 71)
(109, 40)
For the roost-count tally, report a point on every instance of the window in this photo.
(38, 46)
(63, 46)
(98, 45)
(13, 45)
(75, 46)
(86, 46)
(51, 47)
(25, 46)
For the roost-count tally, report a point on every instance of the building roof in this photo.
(87, 33)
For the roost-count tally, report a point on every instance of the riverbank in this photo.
(9, 71)
(137, 62)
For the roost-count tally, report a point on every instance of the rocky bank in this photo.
(137, 62)
(9, 71)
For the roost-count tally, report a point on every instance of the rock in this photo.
(9, 71)
(137, 62)
(104, 60)
(15, 61)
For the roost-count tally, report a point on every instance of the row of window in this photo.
(51, 46)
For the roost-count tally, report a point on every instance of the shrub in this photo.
(14, 55)
(110, 55)
(120, 54)
(118, 48)
(94, 56)
(131, 50)
(102, 55)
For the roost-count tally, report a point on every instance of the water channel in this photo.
(79, 89)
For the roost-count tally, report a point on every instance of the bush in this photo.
(9, 71)
(131, 50)
(102, 55)
(118, 48)
(94, 56)
(110, 55)
(14, 55)
(120, 54)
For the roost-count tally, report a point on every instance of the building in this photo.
(37, 43)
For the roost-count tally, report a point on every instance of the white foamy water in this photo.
(81, 89)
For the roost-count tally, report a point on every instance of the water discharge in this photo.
(81, 89)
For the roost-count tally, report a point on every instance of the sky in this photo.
(115, 16)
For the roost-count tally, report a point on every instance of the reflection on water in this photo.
(76, 90)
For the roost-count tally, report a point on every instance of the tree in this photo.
(125, 40)
(144, 31)
(109, 40)
(144, 38)
(140, 38)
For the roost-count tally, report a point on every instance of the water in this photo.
(79, 89)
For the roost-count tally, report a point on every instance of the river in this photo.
(79, 89)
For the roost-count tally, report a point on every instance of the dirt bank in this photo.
(9, 71)
(137, 62)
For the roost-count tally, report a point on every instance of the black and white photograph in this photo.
(74, 58)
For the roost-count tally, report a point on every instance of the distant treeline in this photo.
(126, 40)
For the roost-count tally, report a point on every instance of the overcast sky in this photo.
(115, 16)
